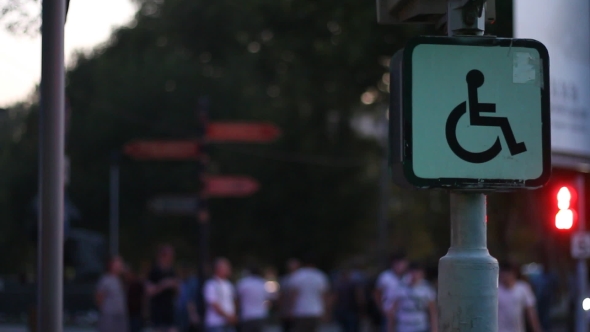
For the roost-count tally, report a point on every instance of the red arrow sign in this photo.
(230, 186)
(168, 150)
(242, 132)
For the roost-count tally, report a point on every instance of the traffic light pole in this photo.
(582, 268)
(51, 168)
(468, 274)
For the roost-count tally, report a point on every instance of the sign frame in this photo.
(401, 111)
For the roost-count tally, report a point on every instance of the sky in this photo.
(89, 23)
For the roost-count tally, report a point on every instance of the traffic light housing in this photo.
(565, 218)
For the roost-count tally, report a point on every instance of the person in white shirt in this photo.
(388, 284)
(515, 302)
(111, 299)
(253, 299)
(309, 287)
(220, 299)
(414, 305)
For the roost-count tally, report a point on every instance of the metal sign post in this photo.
(469, 114)
(51, 167)
(468, 282)
(468, 274)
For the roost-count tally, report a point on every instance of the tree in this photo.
(18, 17)
(301, 64)
(255, 62)
(21, 16)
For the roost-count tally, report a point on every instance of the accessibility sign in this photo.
(470, 113)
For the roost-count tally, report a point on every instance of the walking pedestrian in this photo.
(253, 299)
(349, 301)
(310, 292)
(544, 285)
(413, 306)
(111, 299)
(389, 283)
(187, 315)
(285, 297)
(515, 302)
(220, 299)
(135, 300)
(162, 288)
(373, 311)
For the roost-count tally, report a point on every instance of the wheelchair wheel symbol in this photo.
(475, 79)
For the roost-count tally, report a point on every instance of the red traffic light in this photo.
(564, 219)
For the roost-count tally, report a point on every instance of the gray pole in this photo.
(384, 195)
(51, 167)
(383, 210)
(468, 275)
(203, 216)
(114, 205)
(582, 268)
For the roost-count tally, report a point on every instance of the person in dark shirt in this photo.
(162, 287)
(544, 285)
(187, 316)
(350, 301)
(135, 300)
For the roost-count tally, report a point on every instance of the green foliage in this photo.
(18, 159)
(291, 63)
(20, 16)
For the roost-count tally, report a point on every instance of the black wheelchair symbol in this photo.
(475, 80)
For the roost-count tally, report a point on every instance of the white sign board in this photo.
(478, 112)
(581, 245)
(564, 28)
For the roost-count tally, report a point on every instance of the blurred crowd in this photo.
(400, 299)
